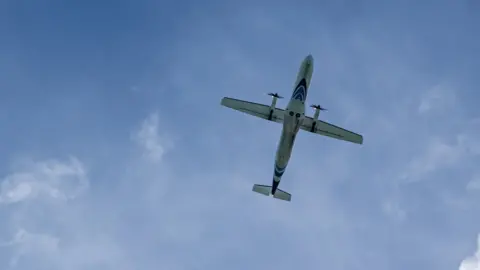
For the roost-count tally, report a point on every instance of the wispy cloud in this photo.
(393, 209)
(474, 183)
(53, 178)
(34, 245)
(439, 98)
(437, 155)
(150, 139)
(54, 234)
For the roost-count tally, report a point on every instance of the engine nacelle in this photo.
(274, 96)
(317, 108)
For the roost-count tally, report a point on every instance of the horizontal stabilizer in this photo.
(282, 195)
(266, 190)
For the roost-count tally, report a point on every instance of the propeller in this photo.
(318, 107)
(275, 95)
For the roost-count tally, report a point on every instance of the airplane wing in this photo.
(255, 109)
(326, 129)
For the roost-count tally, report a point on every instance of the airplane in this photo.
(293, 119)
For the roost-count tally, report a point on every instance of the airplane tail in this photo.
(267, 190)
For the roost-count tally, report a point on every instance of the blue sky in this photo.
(116, 153)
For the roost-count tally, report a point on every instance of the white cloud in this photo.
(46, 251)
(393, 209)
(63, 235)
(30, 244)
(439, 154)
(474, 184)
(82, 234)
(60, 235)
(54, 178)
(149, 138)
(439, 98)
(472, 262)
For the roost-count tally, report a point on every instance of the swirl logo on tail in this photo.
(300, 92)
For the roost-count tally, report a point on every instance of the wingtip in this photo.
(222, 101)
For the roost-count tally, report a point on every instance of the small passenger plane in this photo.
(293, 119)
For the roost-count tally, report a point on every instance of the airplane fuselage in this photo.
(292, 120)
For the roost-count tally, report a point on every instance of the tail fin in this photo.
(266, 190)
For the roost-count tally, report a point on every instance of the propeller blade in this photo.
(318, 107)
(275, 95)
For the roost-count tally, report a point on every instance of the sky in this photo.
(116, 153)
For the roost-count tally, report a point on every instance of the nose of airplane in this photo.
(309, 59)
